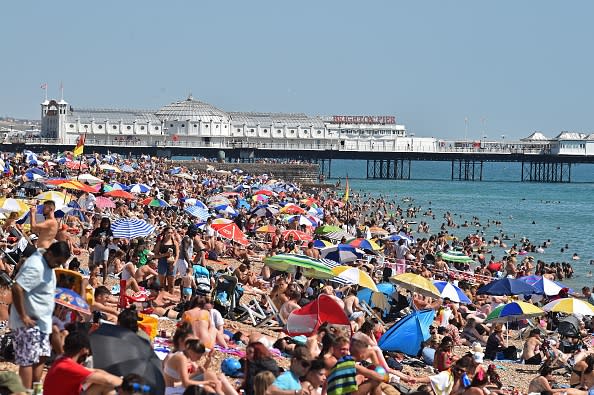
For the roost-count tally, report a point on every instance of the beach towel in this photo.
(442, 383)
(342, 377)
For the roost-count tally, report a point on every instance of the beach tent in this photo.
(307, 320)
(408, 334)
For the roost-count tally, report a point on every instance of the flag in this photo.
(44, 85)
(345, 197)
(80, 145)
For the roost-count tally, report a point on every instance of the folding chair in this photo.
(369, 311)
(273, 316)
(252, 310)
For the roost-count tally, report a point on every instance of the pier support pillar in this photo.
(467, 170)
(555, 172)
(389, 169)
(325, 166)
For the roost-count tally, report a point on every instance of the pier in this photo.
(538, 163)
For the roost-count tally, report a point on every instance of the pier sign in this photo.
(365, 119)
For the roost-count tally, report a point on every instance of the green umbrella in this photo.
(455, 257)
(324, 229)
(312, 268)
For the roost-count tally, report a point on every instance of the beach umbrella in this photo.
(303, 220)
(194, 202)
(260, 198)
(311, 268)
(127, 169)
(543, 285)
(70, 299)
(266, 229)
(377, 231)
(297, 235)
(118, 193)
(342, 253)
(231, 231)
(34, 185)
(321, 243)
(415, 283)
(386, 289)
(104, 202)
(218, 200)
(57, 197)
(76, 165)
(78, 186)
(356, 276)
(31, 176)
(449, 290)
(264, 192)
(55, 181)
(225, 209)
(365, 244)
(242, 203)
(569, 306)
(88, 178)
(514, 311)
(10, 205)
(108, 168)
(506, 286)
(264, 210)
(154, 202)
(325, 229)
(292, 209)
(455, 257)
(131, 228)
(120, 351)
(338, 235)
(197, 212)
(139, 188)
(117, 186)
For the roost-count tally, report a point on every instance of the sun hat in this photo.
(477, 347)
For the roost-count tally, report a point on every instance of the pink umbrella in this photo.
(103, 202)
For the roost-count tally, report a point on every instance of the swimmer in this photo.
(575, 257)
(589, 274)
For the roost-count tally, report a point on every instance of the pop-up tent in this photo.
(408, 334)
(307, 320)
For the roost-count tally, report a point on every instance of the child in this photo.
(188, 284)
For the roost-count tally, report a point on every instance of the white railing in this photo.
(398, 145)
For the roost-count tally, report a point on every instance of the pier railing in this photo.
(399, 145)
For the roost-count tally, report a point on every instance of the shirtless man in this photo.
(311, 251)
(102, 304)
(46, 230)
(532, 354)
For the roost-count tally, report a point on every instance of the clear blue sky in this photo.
(522, 65)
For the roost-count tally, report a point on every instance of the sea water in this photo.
(560, 212)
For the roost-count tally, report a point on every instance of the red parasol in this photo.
(297, 235)
(118, 193)
(232, 232)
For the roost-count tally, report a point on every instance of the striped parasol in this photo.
(197, 212)
(130, 228)
(139, 188)
(312, 268)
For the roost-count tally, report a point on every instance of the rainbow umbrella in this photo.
(70, 299)
(514, 311)
(322, 243)
(569, 306)
(354, 275)
(365, 244)
(415, 283)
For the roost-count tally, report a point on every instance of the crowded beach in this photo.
(135, 276)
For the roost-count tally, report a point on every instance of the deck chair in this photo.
(252, 311)
(369, 311)
(273, 320)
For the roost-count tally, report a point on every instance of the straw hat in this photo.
(476, 347)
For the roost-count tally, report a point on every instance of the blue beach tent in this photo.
(408, 334)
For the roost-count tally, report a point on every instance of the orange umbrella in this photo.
(266, 229)
(292, 209)
(77, 185)
(232, 232)
(118, 193)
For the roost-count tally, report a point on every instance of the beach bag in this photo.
(510, 353)
(7, 347)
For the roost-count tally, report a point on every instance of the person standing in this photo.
(48, 229)
(31, 316)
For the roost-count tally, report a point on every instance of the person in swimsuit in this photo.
(175, 370)
(199, 318)
(188, 285)
(46, 230)
(164, 256)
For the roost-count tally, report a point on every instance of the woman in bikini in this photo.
(199, 318)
